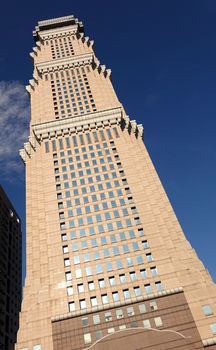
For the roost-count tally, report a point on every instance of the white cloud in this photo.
(14, 120)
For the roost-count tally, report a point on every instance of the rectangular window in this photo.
(119, 314)
(137, 291)
(115, 296)
(146, 324)
(207, 310)
(126, 293)
(87, 338)
(71, 306)
(130, 311)
(153, 305)
(96, 319)
(148, 288)
(142, 308)
(47, 147)
(158, 321)
(108, 316)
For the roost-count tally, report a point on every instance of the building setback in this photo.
(108, 266)
(10, 272)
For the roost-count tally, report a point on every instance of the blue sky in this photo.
(163, 59)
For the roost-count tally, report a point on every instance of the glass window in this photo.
(99, 334)
(104, 298)
(66, 262)
(129, 261)
(213, 328)
(118, 264)
(111, 330)
(135, 246)
(82, 304)
(91, 285)
(154, 271)
(91, 231)
(96, 255)
(148, 288)
(139, 259)
(137, 291)
(149, 257)
(84, 321)
(106, 253)
(69, 290)
(133, 276)
(65, 249)
(126, 293)
(76, 259)
(207, 310)
(158, 321)
(108, 316)
(87, 338)
(96, 319)
(153, 305)
(143, 273)
(99, 269)
(71, 306)
(93, 301)
(145, 244)
(125, 248)
(101, 283)
(86, 257)
(119, 313)
(37, 347)
(159, 286)
(119, 224)
(107, 216)
(103, 240)
(100, 228)
(109, 266)
(75, 247)
(116, 251)
(78, 273)
(88, 271)
(146, 324)
(112, 280)
(130, 311)
(122, 236)
(115, 296)
(142, 308)
(68, 276)
(122, 278)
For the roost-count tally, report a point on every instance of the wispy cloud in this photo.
(14, 118)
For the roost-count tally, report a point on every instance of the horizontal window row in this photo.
(107, 282)
(116, 296)
(101, 228)
(93, 230)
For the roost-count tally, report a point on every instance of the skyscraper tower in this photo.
(108, 265)
(10, 272)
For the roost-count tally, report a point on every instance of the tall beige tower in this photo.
(108, 266)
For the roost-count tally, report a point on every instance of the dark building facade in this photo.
(10, 272)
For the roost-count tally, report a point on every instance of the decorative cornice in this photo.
(117, 304)
(66, 62)
(58, 32)
(75, 124)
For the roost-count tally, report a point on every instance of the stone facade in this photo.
(101, 233)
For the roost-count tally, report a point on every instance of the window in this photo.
(112, 281)
(108, 316)
(93, 301)
(148, 288)
(115, 296)
(143, 273)
(142, 308)
(64, 237)
(146, 324)
(126, 293)
(91, 285)
(87, 338)
(99, 334)
(153, 305)
(84, 321)
(96, 319)
(122, 326)
(213, 328)
(207, 310)
(149, 257)
(82, 304)
(99, 269)
(65, 249)
(119, 314)
(88, 271)
(137, 291)
(154, 271)
(130, 311)
(111, 330)
(135, 246)
(69, 290)
(71, 306)
(104, 298)
(158, 321)
(37, 347)
(159, 286)
(133, 276)
(78, 273)
(122, 278)
(80, 288)
(116, 251)
(66, 262)
(68, 276)
(101, 283)
(145, 244)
